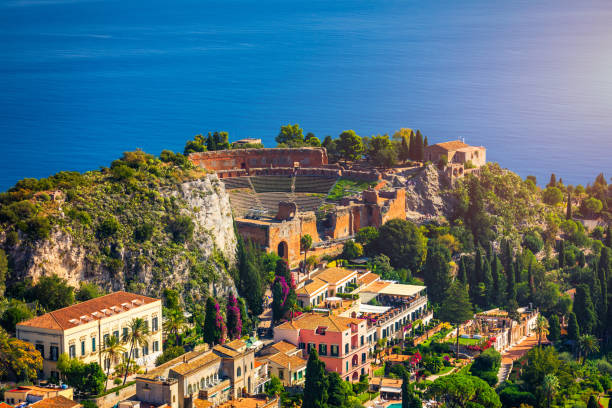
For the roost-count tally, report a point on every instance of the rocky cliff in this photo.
(425, 198)
(140, 235)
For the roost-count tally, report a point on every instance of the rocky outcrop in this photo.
(425, 199)
(145, 267)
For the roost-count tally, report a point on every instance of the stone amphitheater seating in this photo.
(242, 201)
(310, 184)
(267, 184)
(236, 182)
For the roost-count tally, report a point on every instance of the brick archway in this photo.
(283, 250)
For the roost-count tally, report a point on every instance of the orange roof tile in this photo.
(335, 275)
(235, 344)
(3, 405)
(92, 309)
(311, 288)
(450, 146)
(200, 403)
(197, 363)
(376, 287)
(285, 361)
(249, 403)
(367, 278)
(283, 346)
(311, 321)
(56, 402)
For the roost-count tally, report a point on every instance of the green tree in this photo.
(137, 336)
(583, 307)
(367, 237)
(316, 383)
(403, 243)
(112, 351)
(553, 181)
(541, 328)
(461, 391)
(87, 291)
(419, 146)
(436, 271)
(554, 332)
(592, 402)
(486, 366)
(337, 395)
(16, 312)
(404, 150)
(213, 322)
(587, 344)
(170, 352)
(381, 151)
(552, 196)
(194, 146)
(540, 362)
(409, 398)
(18, 357)
(573, 330)
(351, 250)
(305, 245)
(550, 386)
(608, 240)
(174, 324)
(489, 297)
(233, 319)
(274, 387)
(3, 271)
(568, 210)
(85, 378)
(350, 146)
(290, 135)
(462, 273)
(52, 292)
(456, 308)
(250, 271)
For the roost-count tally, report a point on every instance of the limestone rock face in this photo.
(425, 199)
(144, 267)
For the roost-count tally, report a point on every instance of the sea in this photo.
(82, 81)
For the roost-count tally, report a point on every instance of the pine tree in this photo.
(583, 307)
(568, 210)
(233, 318)
(561, 254)
(456, 307)
(553, 181)
(608, 240)
(213, 323)
(419, 148)
(554, 329)
(425, 142)
(573, 330)
(336, 394)
(316, 383)
(436, 271)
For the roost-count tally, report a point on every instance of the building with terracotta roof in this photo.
(326, 284)
(31, 394)
(56, 402)
(81, 329)
(285, 362)
(340, 341)
(214, 375)
(253, 403)
(457, 152)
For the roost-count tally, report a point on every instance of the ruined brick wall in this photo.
(395, 207)
(259, 158)
(257, 233)
(309, 226)
(288, 233)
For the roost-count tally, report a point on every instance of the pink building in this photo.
(340, 342)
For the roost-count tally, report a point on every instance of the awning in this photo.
(391, 390)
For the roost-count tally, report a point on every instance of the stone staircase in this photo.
(504, 372)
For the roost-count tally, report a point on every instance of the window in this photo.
(82, 347)
(281, 375)
(300, 374)
(105, 338)
(146, 322)
(145, 349)
(154, 324)
(335, 350)
(135, 353)
(54, 353)
(301, 346)
(346, 348)
(107, 364)
(155, 346)
(41, 349)
(362, 340)
(93, 344)
(323, 349)
(72, 351)
(311, 346)
(294, 376)
(116, 333)
(239, 372)
(363, 358)
(347, 366)
(125, 333)
(125, 355)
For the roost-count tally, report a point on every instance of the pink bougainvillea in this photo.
(219, 323)
(234, 320)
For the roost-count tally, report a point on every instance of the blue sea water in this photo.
(83, 80)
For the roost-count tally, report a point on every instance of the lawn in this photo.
(466, 342)
(379, 372)
(346, 187)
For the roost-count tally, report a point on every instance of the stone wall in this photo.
(259, 158)
(110, 400)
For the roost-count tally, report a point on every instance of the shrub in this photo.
(533, 241)
(117, 381)
(37, 228)
(143, 232)
(108, 227)
(552, 196)
(181, 228)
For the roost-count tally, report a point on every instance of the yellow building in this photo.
(81, 329)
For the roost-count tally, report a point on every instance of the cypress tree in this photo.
(561, 254)
(510, 287)
(213, 322)
(478, 268)
(409, 398)
(437, 271)
(581, 259)
(553, 181)
(531, 281)
(592, 402)
(506, 256)
(554, 329)
(568, 211)
(336, 394)
(456, 307)
(583, 307)
(412, 146)
(497, 296)
(462, 274)
(316, 383)
(404, 153)
(573, 330)
(602, 275)
(518, 269)
(419, 149)
(608, 240)
(489, 297)
(425, 142)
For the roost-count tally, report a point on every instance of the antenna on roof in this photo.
(463, 139)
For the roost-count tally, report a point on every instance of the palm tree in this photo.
(587, 344)
(541, 328)
(175, 324)
(138, 335)
(112, 351)
(550, 385)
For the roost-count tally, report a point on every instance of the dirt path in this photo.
(519, 350)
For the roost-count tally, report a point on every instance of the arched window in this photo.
(189, 389)
(239, 372)
(202, 383)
